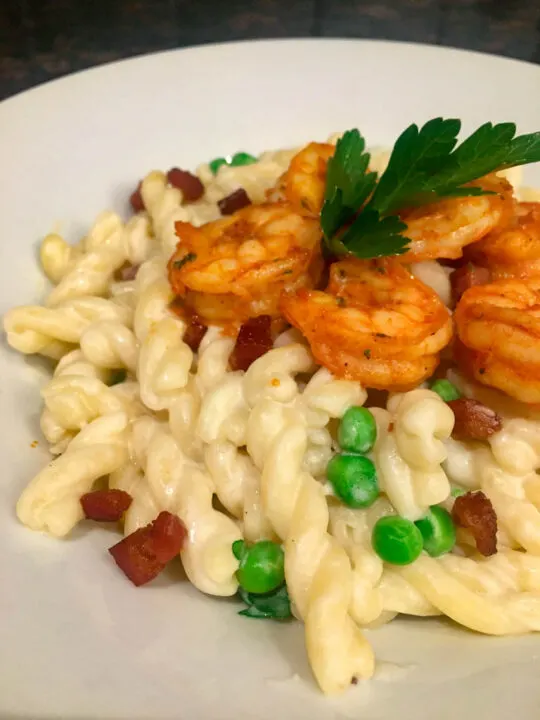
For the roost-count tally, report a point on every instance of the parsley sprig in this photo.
(275, 604)
(359, 214)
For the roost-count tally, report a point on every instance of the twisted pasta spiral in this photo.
(516, 447)
(133, 241)
(168, 480)
(74, 363)
(53, 331)
(110, 344)
(183, 414)
(277, 399)
(498, 595)
(57, 256)
(164, 359)
(89, 267)
(164, 364)
(213, 359)
(51, 502)
(463, 461)
(73, 401)
(224, 412)
(152, 296)
(352, 529)
(138, 242)
(187, 418)
(409, 451)
(273, 375)
(317, 569)
(92, 270)
(238, 486)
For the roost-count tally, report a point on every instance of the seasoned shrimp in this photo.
(444, 228)
(236, 268)
(513, 251)
(498, 326)
(303, 184)
(375, 323)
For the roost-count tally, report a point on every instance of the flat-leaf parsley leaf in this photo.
(348, 182)
(360, 215)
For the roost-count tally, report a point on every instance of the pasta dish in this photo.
(312, 376)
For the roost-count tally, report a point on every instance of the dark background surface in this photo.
(45, 39)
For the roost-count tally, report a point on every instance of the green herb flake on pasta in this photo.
(189, 257)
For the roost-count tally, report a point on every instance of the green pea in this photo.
(262, 566)
(446, 390)
(354, 479)
(216, 164)
(357, 430)
(438, 531)
(396, 540)
(243, 158)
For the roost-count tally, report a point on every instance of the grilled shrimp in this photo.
(498, 328)
(375, 323)
(236, 268)
(303, 184)
(513, 251)
(444, 228)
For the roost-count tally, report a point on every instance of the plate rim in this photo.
(213, 46)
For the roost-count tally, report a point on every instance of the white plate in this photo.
(76, 639)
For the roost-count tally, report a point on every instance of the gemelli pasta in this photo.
(217, 367)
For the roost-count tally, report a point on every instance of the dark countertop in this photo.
(45, 39)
